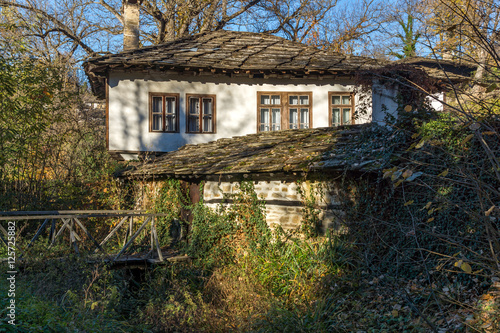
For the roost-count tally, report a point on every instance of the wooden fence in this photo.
(72, 224)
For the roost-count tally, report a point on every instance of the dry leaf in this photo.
(489, 211)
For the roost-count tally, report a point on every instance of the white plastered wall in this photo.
(236, 106)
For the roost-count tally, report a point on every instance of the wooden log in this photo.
(132, 238)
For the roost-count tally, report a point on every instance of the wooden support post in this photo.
(2, 229)
(112, 232)
(4, 241)
(40, 230)
(152, 238)
(129, 230)
(66, 225)
(5, 233)
(73, 241)
(158, 249)
(132, 238)
(52, 231)
(131, 226)
(88, 234)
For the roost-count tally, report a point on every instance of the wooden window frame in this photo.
(163, 117)
(331, 106)
(214, 113)
(284, 106)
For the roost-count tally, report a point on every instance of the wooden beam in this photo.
(40, 230)
(134, 236)
(88, 234)
(112, 232)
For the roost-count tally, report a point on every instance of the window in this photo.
(341, 109)
(163, 112)
(283, 110)
(200, 113)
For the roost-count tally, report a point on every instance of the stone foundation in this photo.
(284, 201)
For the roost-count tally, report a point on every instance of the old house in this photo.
(223, 84)
(227, 106)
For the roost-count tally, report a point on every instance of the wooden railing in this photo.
(72, 224)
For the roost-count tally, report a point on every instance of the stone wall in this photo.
(284, 200)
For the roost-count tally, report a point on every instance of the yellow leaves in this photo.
(396, 184)
(430, 220)
(407, 174)
(489, 133)
(428, 205)
(420, 144)
(389, 172)
(467, 139)
(395, 174)
(409, 202)
(444, 173)
(463, 266)
(46, 93)
(408, 108)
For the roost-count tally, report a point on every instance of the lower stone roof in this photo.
(287, 151)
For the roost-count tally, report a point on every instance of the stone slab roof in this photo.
(448, 70)
(288, 151)
(229, 52)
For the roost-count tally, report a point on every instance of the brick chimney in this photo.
(130, 24)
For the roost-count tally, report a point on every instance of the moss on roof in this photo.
(288, 151)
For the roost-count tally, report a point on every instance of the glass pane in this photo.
(207, 106)
(194, 123)
(194, 105)
(170, 123)
(264, 116)
(170, 105)
(346, 99)
(264, 99)
(346, 116)
(294, 100)
(275, 99)
(304, 118)
(276, 119)
(207, 123)
(264, 119)
(294, 122)
(304, 100)
(335, 100)
(157, 125)
(157, 105)
(335, 117)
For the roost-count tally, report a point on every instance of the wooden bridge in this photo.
(129, 228)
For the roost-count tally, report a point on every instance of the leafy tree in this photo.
(408, 38)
